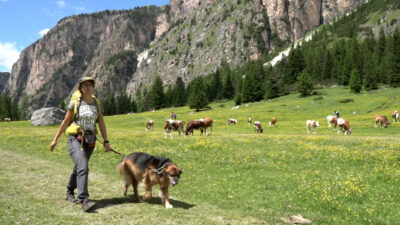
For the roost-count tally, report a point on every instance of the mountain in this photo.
(3, 80)
(124, 50)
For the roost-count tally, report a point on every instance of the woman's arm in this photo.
(103, 132)
(64, 124)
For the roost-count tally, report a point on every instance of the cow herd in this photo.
(339, 124)
(342, 125)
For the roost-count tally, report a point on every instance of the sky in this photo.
(22, 22)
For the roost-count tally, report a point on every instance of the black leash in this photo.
(110, 148)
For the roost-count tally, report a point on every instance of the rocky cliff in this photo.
(124, 50)
(204, 33)
(3, 80)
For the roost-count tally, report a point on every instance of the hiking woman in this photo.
(84, 111)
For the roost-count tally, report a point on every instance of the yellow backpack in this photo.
(74, 128)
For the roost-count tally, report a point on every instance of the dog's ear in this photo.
(162, 173)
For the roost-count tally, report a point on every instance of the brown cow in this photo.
(149, 125)
(272, 121)
(173, 125)
(249, 121)
(395, 115)
(344, 126)
(195, 124)
(258, 127)
(7, 119)
(208, 123)
(383, 120)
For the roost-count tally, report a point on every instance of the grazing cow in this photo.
(149, 125)
(7, 119)
(208, 123)
(195, 124)
(395, 115)
(272, 121)
(344, 126)
(231, 121)
(383, 120)
(249, 121)
(173, 125)
(258, 127)
(312, 125)
(332, 121)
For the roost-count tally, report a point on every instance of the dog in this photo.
(151, 170)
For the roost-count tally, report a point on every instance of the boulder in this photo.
(47, 116)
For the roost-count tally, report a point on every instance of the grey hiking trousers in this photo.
(80, 173)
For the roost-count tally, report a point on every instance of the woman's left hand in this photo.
(107, 146)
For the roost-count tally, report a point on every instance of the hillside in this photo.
(124, 50)
(233, 176)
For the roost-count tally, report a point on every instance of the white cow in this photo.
(312, 125)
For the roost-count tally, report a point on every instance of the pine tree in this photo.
(355, 81)
(227, 88)
(198, 96)
(271, 88)
(305, 84)
(179, 98)
(395, 68)
(214, 87)
(124, 103)
(5, 106)
(381, 44)
(134, 106)
(169, 96)
(157, 96)
(370, 72)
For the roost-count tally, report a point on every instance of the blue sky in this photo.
(22, 22)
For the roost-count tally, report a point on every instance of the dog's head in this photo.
(172, 172)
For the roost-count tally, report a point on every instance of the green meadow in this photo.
(233, 176)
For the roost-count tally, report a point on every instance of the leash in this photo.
(110, 148)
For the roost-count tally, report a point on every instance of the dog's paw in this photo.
(168, 206)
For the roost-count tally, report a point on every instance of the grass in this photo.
(233, 176)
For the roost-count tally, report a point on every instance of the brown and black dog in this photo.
(152, 170)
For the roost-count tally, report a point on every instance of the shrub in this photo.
(346, 100)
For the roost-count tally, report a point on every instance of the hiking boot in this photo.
(70, 197)
(87, 205)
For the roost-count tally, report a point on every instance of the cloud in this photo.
(61, 3)
(43, 32)
(9, 54)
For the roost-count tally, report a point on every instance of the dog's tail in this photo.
(125, 172)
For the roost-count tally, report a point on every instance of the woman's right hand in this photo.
(53, 145)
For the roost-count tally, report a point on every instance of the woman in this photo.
(84, 110)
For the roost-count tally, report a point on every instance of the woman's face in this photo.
(87, 87)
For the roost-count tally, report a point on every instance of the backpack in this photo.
(74, 128)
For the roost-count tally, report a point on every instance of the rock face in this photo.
(47, 116)
(3, 80)
(186, 38)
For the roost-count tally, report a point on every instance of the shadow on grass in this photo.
(109, 202)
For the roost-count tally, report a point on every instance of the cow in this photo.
(332, 121)
(231, 121)
(149, 125)
(344, 126)
(249, 121)
(257, 126)
(395, 115)
(312, 125)
(7, 119)
(173, 125)
(272, 121)
(208, 123)
(383, 120)
(194, 125)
